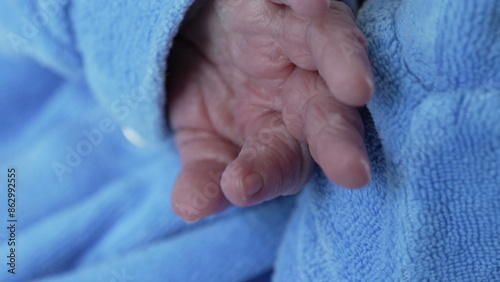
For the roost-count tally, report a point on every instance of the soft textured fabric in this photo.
(432, 211)
(80, 79)
(118, 48)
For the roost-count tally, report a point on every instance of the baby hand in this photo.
(257, 87)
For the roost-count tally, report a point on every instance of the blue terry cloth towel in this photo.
(80, 79)
(432, 211)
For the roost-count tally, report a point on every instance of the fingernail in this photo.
(254, 184)
(368, 171)
(329, 3)
(371, 85)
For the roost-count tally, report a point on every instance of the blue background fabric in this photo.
(432, 211)
(79, 79)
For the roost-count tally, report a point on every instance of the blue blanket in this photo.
(81, 81)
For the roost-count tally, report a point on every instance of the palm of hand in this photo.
(254, 91)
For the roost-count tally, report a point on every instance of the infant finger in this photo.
(196, 192)
(338, 49)
(335, 143)
(308, 8)
(333, 130)
(271, 163)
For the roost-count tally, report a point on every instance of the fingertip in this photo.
(350, 171)
(360, 176)
(368, 169)
(232, 185)
(247, 184)
(252, 185)
(342, 157)
(191, 214)
(243, 191)
(196, 192)
(355, 89)
(185, 211)
(182, 211)
(271, 163)
(370, 83)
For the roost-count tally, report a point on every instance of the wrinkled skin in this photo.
(258, 91)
